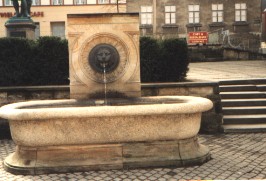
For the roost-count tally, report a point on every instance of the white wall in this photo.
(91, 1)
(68, 2)
(45, 2)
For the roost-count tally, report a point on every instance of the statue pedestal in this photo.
(20, 27)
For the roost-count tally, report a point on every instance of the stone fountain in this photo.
(105, 124)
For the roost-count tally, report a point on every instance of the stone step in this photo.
(244, 81)
(231, 88)
(242, 95)
(243, 102)
(261, 87)
(244, 105)
(244, 110)
(244, 119)
(244, 128)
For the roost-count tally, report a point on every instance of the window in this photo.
(37, 30)
(170, 14)
(103, 1)
(146, 15)
(240, 12)
(193, 15)
(36, 2)
(57, 2)
(80, 1)
(8, 3)
(58, 29)
(119, 1)
(217, 13)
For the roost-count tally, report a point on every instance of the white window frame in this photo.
(217, 13)
(119, 1)
(55, 26)
(103, 1)
(146, 15)
(193, 13)
(8, 2)
(78, 2)
(36, 2)
(57, 2)
(240, 12)
(170, 14)
(37, 30)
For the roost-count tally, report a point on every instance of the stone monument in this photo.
(21, 25)
(86, 133)
(104, 50)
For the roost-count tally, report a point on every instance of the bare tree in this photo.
(117, 6)
(119, 2)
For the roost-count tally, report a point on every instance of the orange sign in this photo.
(198, 37)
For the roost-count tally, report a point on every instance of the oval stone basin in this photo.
(68, 127)
(61, 122)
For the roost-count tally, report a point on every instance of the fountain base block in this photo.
(71, 158)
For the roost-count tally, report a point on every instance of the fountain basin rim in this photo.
(19, 111)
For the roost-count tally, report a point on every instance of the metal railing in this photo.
(228, 40)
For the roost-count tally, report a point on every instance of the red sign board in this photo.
(198, 37)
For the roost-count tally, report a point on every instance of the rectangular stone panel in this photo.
(163, 153)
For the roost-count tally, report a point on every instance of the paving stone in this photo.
(242, 161)
(216, 71)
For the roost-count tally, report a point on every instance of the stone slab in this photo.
(72, 158)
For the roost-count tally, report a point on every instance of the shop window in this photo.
(146, 15)
(193, 15)
(8, 2)
(170, 14)
(240, 12)
(217, 13)
(37, 30)
(57, 2)
(58, 29)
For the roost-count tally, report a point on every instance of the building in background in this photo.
(222, 20)
(232, 23)
(50, 15)
(263, 29)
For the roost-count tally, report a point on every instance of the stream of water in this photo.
(105, 85)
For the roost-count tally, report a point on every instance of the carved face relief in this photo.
(103, 52)
(103, 57)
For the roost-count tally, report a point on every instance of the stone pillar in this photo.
(104, 55)
(22, 27)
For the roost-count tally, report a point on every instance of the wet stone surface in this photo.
(234, 156)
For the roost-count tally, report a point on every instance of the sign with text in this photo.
(197, 37)
(9, 14)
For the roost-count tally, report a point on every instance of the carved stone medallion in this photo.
(104, 52)
(104, 58)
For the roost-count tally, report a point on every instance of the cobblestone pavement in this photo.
(215, 71)
(234, 157)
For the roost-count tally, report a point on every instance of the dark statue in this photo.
(24, 9)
